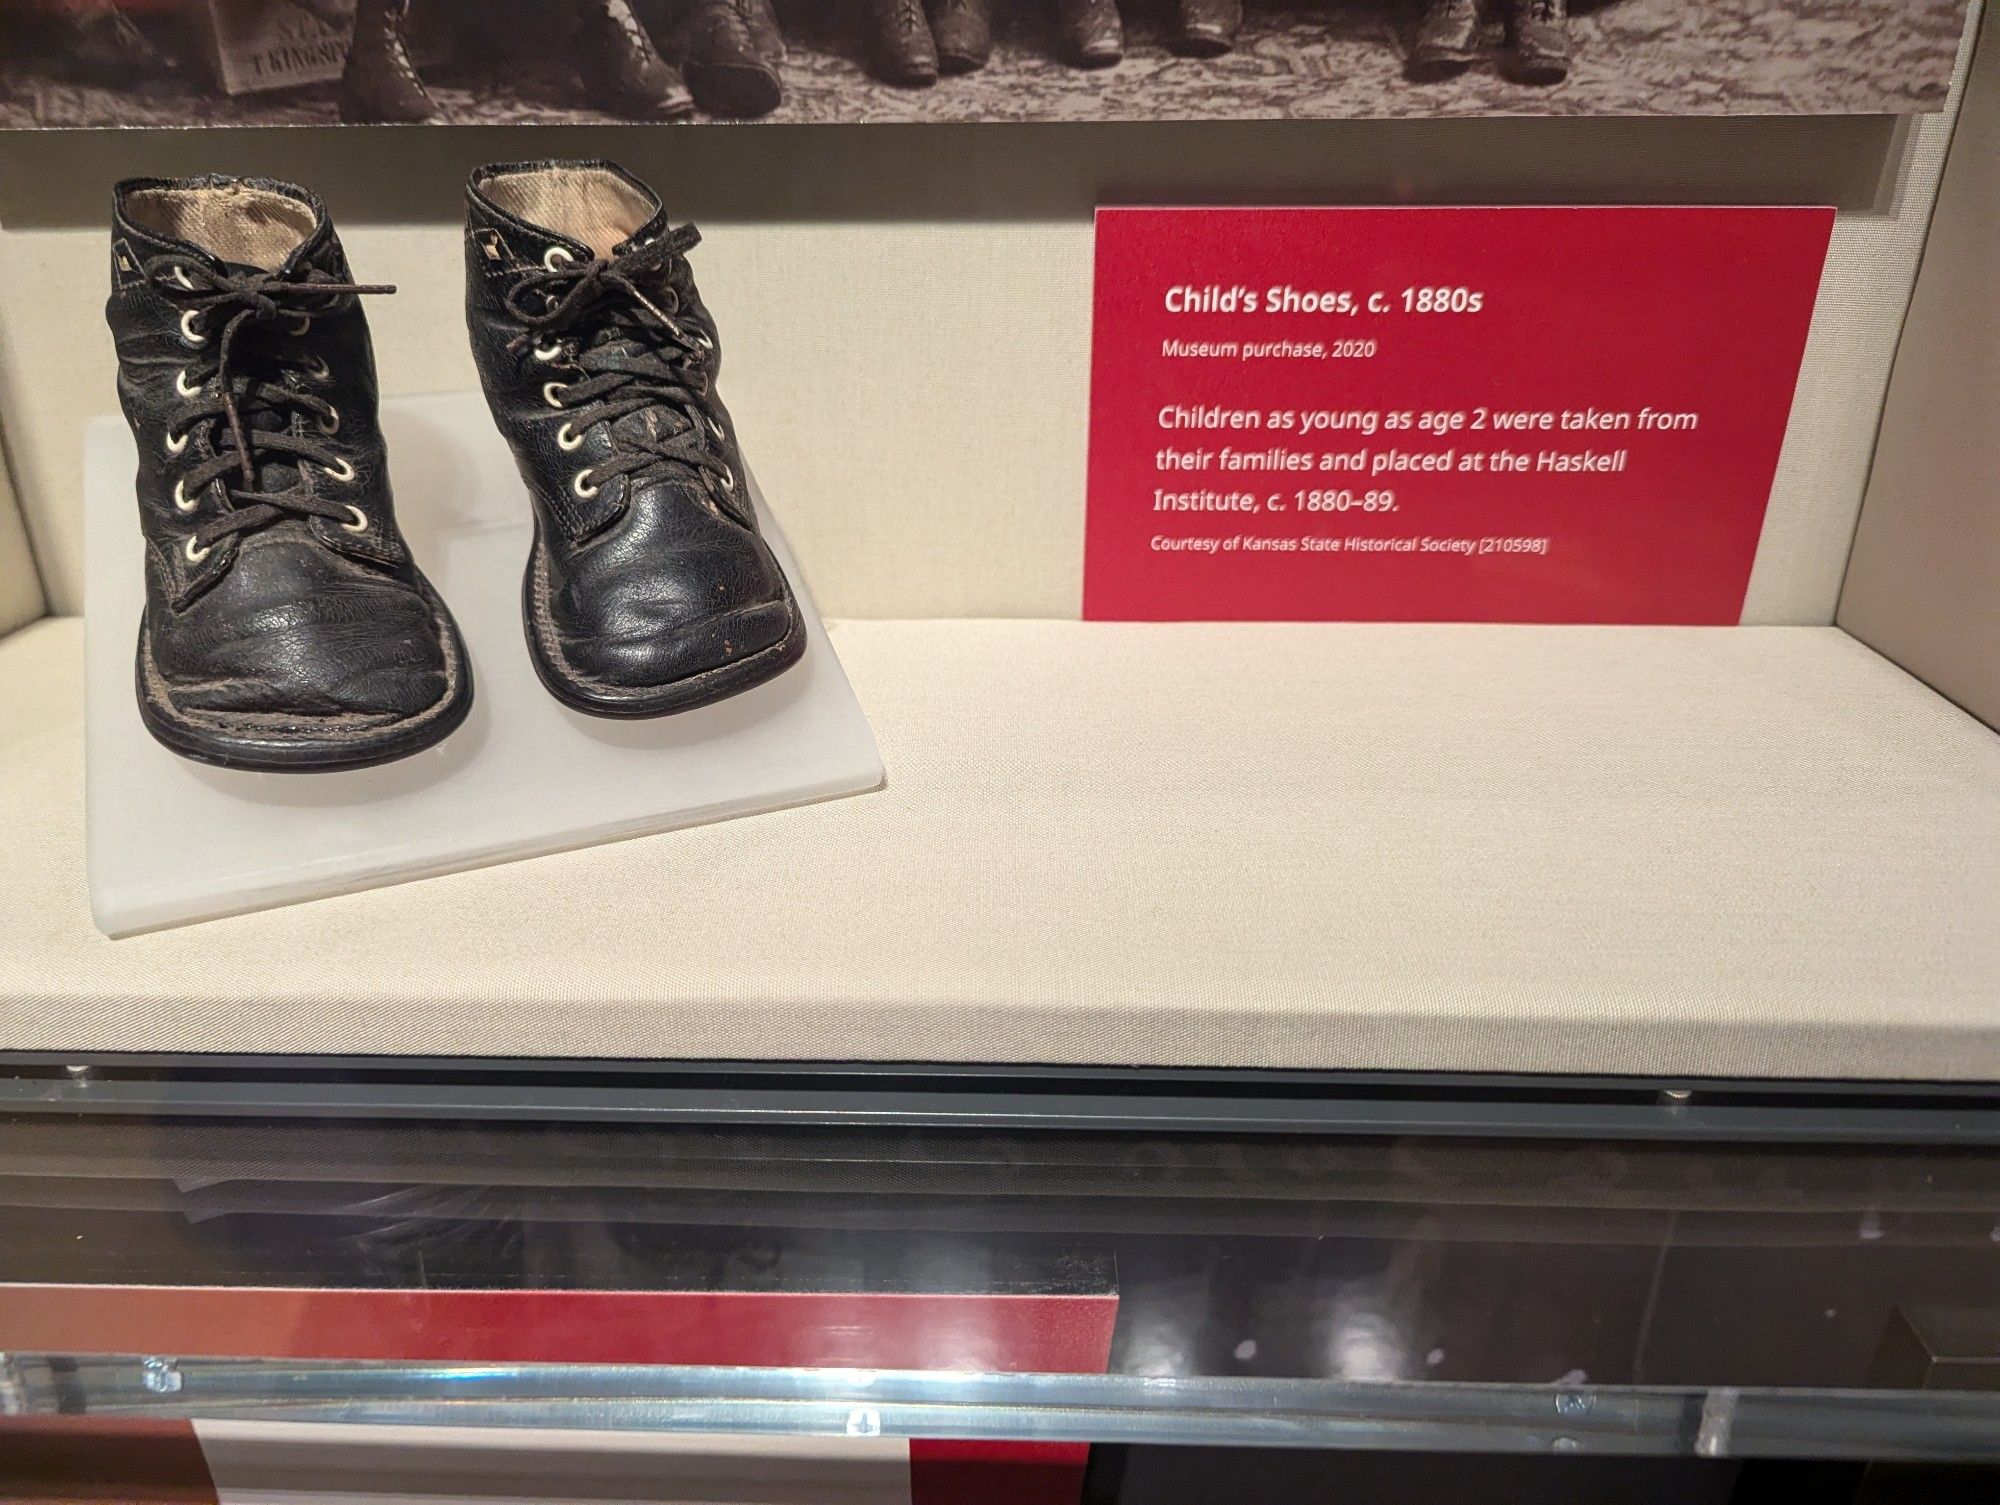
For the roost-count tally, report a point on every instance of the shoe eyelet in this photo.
(546, 353)
(577, 485)
(189, 333)
(301, 323)
(316, 368)
(193, 554)
(176, 443)
(340, 471)
(360, 523)
(179, 274)
(181, 384)
(715, 430)
(551, 391)
(555, 258)
(567, 439)
(729, 480)
(330, 424)
(703, 340)
(182, 501)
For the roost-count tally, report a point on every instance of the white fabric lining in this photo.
(250, 226)
(588, 204)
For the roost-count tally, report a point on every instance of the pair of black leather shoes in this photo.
(286, 626)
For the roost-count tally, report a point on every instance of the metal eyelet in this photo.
(188, 331)
(316, 368)
(330, 424)
(547, 353)
(567, 439)
(181, 384)
(182, 500)
(555, 258)
(576, 484)
(707, 344)
(729, 480)
(549, 391)
(360, 523)
(176, 443)
(301, 323)
(714, 429)
(340, 471)
(194, 555)
(179, 274)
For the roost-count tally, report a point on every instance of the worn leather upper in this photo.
(656, 575)
(298, 615)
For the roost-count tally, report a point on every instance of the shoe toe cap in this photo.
(372, 653)
(655, 650)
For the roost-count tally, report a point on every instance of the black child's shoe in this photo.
(648, 589)
(1090, 33)
(286, 626)
(732, 52)
(1207, 28)
(901, 49)
(1448, 40)
(963, 33)
(1538, 36)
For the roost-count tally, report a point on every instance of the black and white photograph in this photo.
(87, 63)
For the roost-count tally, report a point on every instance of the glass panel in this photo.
(1364, 1291)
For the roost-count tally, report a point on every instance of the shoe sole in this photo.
(252, 753)
(1202, 42)
(1540, 74)
(740, 93)
(670, 699)
(904, 76)
(1436, 67)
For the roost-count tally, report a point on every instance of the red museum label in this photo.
(1440, 415)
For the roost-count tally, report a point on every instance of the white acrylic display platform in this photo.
(172, 841)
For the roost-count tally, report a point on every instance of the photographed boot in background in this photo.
(620, 69)
(897, 35)
(286, 626)
(1448, 40)
(1090, 33)
(1539, 42)
(963, 33)
(98, 43)
(731, 50)
(648, 588)
(1207, 28)
(380, 84)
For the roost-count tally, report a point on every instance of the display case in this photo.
(1540, 1004)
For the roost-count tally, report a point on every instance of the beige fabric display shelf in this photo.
(1753, 851)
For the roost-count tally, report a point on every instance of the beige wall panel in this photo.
(20, 586)
(907, 311)
(1924, 586)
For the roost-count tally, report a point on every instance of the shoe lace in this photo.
(232, 391)
(616, 318)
